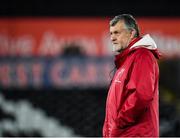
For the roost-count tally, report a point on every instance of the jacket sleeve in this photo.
(140, 89)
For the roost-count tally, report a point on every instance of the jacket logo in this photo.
(119, 75)
(117, 81)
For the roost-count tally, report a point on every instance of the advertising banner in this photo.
(35, 52)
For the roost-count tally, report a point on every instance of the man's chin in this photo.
(117, 51)
(116, 48)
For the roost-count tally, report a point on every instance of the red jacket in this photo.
(132, 101)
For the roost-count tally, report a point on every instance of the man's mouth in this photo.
(115, 43)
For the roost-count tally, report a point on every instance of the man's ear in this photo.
(133, 32)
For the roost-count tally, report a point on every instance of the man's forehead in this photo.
(118, 25)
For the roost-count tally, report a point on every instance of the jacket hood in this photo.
(146, 42)
(141, 42)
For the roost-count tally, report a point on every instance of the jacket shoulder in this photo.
(143, 52)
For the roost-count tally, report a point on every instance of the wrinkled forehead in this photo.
(118, 26)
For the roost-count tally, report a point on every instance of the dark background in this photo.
(89, 8)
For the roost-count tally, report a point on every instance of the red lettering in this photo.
(21, 75)
(55, 74)
(91, 74)
(5, 78)
(75, 76)
(37, 71)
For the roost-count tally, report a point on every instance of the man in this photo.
(132, 102)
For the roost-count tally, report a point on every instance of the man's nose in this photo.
(113, 38)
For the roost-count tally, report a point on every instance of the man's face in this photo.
(120, 36)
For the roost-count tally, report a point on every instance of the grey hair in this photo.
(129, 21)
